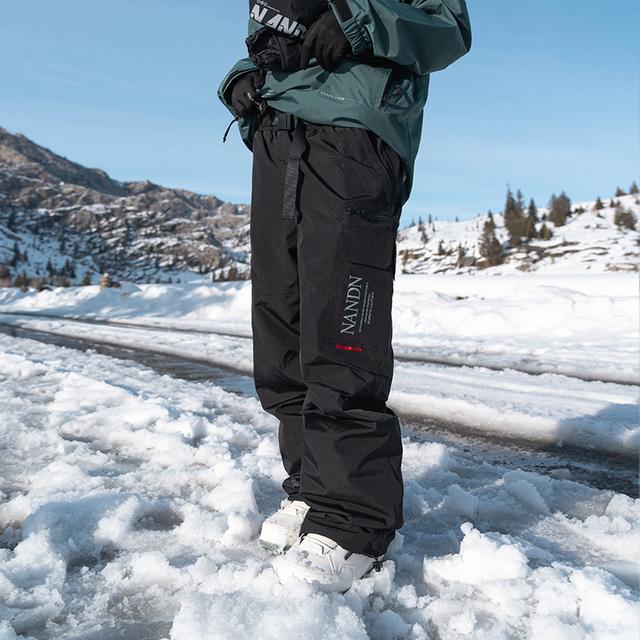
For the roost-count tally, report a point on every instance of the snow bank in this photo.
(573, 325)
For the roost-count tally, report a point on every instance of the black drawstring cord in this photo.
(226, 133)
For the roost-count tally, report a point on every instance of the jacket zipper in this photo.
(392, 90)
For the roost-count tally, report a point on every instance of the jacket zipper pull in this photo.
(226, 133)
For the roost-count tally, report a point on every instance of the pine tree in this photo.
(625, 219)
(559, 209)
(490, 221)
(86, 279)
(462, 252)
(423, 233)
(49, 267)
(21, 281)
(430, 219)
(5, 275)
(531, 220)
(620, 193)
(490, 247)
(545, 233)
(633, 189)
(15, 259)
(441, 251)
(599, 205)
(11, 221)
(514, 217)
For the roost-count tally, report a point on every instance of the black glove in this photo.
(244, 96)
(326, 42)
(274, 51)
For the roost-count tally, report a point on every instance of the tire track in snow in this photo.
(401, 354)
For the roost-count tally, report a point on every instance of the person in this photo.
(334, 122)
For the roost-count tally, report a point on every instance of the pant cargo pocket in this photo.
(362, 327)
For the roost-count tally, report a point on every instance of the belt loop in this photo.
(298, 146)
(286, 121)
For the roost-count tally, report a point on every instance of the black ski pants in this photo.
(325, 209)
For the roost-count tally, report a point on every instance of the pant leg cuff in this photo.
(373, 543)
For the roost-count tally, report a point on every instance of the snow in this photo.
(581, 340)
(589, 242)
(483, 321)
(130, 504)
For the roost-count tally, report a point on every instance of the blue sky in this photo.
(547, 99)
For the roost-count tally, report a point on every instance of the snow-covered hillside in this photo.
(589, 242)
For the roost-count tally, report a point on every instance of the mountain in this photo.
(62, 223)
(60, 220)
(591, 240)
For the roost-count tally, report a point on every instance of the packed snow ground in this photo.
(130, 505)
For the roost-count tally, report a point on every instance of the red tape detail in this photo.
(349, 347)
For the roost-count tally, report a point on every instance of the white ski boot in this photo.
(281, 529)
(324, 564)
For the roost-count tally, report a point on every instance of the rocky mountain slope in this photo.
(60, 220)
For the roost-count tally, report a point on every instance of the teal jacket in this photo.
(419, 36)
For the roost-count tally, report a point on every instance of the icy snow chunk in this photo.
(266, 611)
(481, 559)
(617, 529)
(31, 584)
(15, 510)
(524, 491)
(463, 623)
(390, 625)
(69, 525)
(16, 366)
(461, 502)
(7, 632)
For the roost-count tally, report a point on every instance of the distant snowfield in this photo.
(130, 505)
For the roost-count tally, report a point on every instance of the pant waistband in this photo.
(273, 119)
